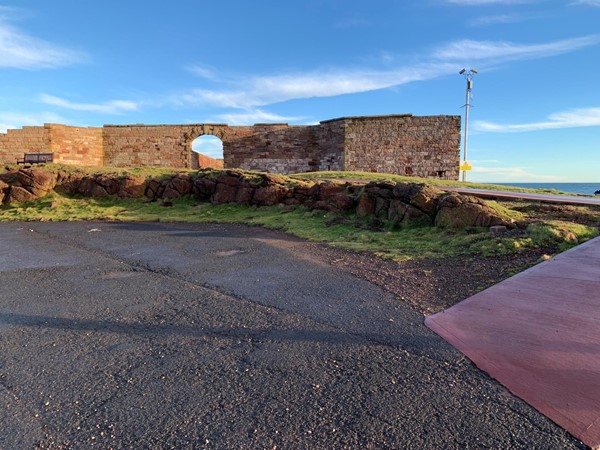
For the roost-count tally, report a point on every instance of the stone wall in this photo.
(171, 145)
(398, 144)
(15, 143)
(76, 145)
(426, 147)
(206, 162)
(142, 145)
(329, 137)
(284, 150)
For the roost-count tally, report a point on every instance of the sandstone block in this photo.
(366, 205)
(19, 194)
(269, 195)
(132, 187)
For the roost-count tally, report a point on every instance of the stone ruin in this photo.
(420, 146)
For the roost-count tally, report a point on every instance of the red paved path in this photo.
(538, 333)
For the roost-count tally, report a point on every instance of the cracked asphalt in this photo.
(116, 335)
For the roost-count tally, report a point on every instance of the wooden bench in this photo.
(36, 158)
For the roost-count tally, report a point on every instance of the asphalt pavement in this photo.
(508, 195)
(116, 335)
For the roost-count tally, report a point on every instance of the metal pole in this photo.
(466, 140)
(469, 76)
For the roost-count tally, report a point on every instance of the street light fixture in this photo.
(469, 77)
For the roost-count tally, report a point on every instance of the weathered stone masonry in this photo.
(402, 144)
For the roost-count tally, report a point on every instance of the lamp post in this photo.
(469, 77)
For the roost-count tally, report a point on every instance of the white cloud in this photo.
(22, 51)
(12, 120)
(485, 21)
(510, 174)
(583, 117)
(267, 90)
(210, 146)
(492, 51)
(110, 107)
(207, 72)
(256, 91)
(587, 2)
(255, 116)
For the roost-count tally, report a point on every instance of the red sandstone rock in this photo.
(402, 204)
(342, 202)
(132, 187)
(98, 191)
(170, 193)
(86, 186)
(458, 211)
(422, 196)
(224, 193)
(245, 194)
(329, 190)
(366, 205)
(182, 184)
(229, 180)
(3, 190)
(43, 181)
(37, 181)
(203, 188)
(19, 194)
(273, 179)
(108, 183)
(151, 190)
(269, 195)
(303, 189)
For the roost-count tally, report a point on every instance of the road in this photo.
(547, 198)
(203, 336)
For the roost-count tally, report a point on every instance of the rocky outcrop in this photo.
(398, 204)
(26, 185)
(459, 211)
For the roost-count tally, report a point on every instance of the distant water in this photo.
(574, 188)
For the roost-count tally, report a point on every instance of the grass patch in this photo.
(145, 172)
(340, 231)
(368, 176)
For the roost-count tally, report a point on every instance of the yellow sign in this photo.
(465, 166)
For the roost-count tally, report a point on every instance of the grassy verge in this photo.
(340, 231)
(145, 172)
(367, 176)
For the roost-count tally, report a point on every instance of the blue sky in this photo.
(536, 97)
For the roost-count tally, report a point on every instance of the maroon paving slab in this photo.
(538, 333)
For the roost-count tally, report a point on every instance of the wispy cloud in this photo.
(255, 91)
(502, 174)
(265, 90)
(583, 117)
(206, 72)
(587, 2)
(210, 146)
(110, 107)
(485, 21)
(254, 116)
(495, 51)
(13, 120)
(23, 51)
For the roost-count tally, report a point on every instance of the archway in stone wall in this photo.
(207, 151)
